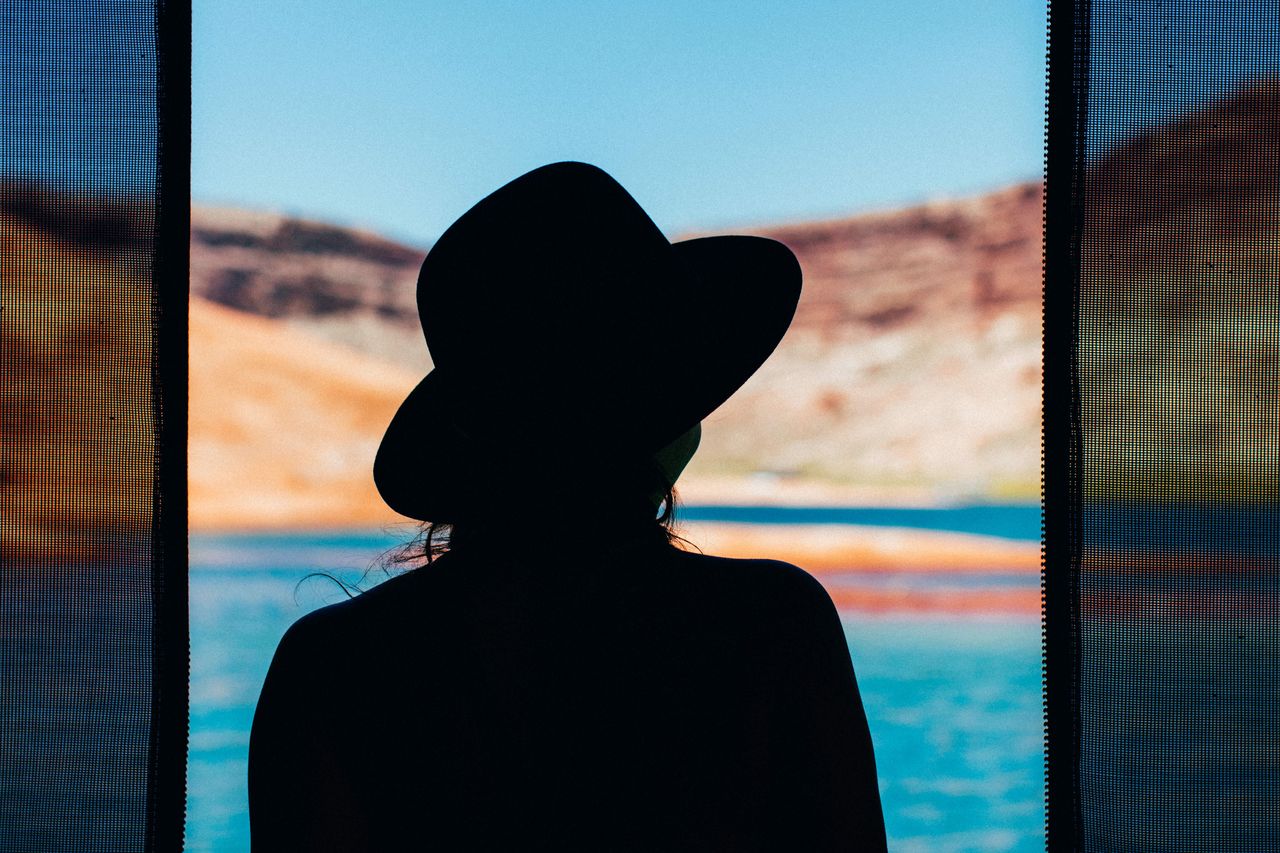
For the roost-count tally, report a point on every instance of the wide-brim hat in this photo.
(570, 341)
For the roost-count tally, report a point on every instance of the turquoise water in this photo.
(1011, 521)
(953, 702)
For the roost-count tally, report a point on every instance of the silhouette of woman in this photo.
(606, 690)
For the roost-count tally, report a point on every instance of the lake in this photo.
(953, 701)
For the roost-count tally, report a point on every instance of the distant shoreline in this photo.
(817, 548)
(301, 511)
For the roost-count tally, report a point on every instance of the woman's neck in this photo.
(600, 524)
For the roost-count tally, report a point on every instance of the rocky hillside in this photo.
(1180, 306)
(914, 358)
(913, 363)
(284, 425)
(75, 474)
(349, 287)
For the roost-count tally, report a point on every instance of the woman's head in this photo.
(549, 309)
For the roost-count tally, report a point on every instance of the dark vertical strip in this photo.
(1068, 62)
(171, 646)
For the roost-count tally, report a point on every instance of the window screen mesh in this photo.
(1176, 616)
(93, 206)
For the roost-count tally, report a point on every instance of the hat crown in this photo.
(557, 290)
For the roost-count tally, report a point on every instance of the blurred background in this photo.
(891, 446)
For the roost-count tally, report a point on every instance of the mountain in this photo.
(1179, 300)
(283, 425)
(912, 368)
(914, 358)
(342, 285)
(76, 471)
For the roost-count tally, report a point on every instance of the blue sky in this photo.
(397, 116)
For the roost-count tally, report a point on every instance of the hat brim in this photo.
(739, 299)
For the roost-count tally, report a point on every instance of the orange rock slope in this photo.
(284, 426)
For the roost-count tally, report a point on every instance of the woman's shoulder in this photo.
(764, 569)
(333, 621)
(427, 596)
(784, 584)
